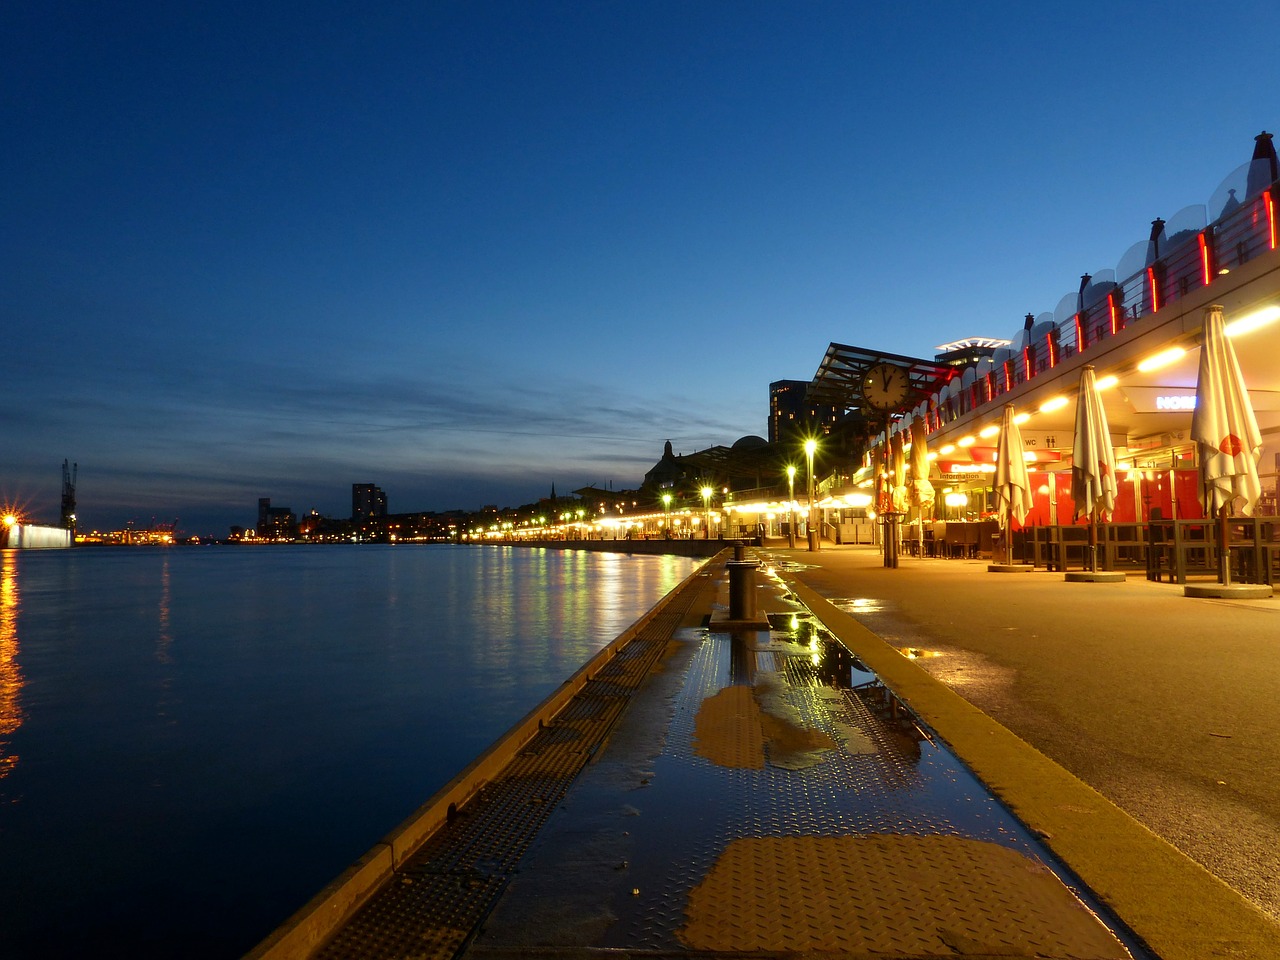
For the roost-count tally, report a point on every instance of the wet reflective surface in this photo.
(10, 670)
(193, 741)
(779, 735)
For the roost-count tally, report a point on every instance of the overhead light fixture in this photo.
(1252, 321)
(1021, 418)
(1106, 383)
(1056, 403)
(966, 441)
(990, 430)
(1162, 359)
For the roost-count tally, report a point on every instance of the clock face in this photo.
(886, 387)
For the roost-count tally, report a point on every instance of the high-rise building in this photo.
(367, 502)
(275, 523)
(792, 416)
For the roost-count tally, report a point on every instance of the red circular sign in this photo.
(1231, 445)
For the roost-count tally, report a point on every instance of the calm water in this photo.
(194, 740)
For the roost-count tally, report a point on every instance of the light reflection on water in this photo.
(212, 734)
(10, 672)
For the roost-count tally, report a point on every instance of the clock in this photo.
(886, 387)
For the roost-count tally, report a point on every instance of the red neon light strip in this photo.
(1080, 344)
(1026, 363)
(1204, 257)
(1052, 350)
(1111, 309)
(1155, 289)
(1271, 215)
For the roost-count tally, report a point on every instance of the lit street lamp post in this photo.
(791, 505)
(706, 511)
(666, 502)
(809, 447)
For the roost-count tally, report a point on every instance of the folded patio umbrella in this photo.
(1093, 461)
(1226, 433)
(1013, 486)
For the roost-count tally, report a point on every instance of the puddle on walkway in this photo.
(859, 605)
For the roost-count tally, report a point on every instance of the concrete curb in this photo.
(1172, 904)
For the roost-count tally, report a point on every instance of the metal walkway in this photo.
(439, 898)
(762, 793)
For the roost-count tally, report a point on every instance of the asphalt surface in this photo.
(1165, 705)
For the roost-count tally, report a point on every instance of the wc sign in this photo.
(1176, 402)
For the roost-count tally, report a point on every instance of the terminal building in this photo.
(1139, 325)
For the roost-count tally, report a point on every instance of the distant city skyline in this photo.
(476, 249)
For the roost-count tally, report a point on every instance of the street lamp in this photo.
(666, 503)
(791, 505)
(706, 511)
(810, 446)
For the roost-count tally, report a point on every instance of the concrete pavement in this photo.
(1165, 705)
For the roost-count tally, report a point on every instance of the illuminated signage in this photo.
(1161, 399)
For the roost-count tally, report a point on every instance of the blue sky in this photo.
(469, 250)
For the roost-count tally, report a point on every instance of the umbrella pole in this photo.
(1093, 541)
(1224, 556)
(1008, 535)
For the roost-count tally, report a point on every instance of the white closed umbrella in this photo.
(898, 471)
(1225, 431)
(1013, 486)
(921, 489)
(1093, 461)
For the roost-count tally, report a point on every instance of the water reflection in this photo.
(857, 605)
(835, 665)
(10, 673)
(163, 652)
(279, 708)
(918, 653)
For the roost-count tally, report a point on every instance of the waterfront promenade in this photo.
(747, 799)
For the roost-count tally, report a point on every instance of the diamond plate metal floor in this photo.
(753, 792)
(762, 795)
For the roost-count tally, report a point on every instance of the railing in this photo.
(1194, 261)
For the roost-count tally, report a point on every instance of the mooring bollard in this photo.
(742, 589)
